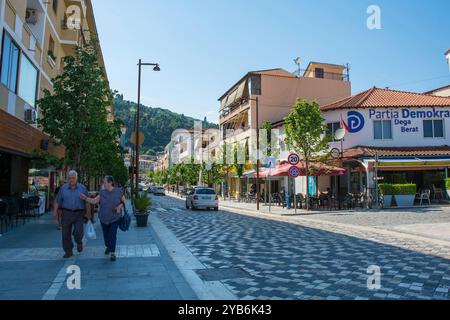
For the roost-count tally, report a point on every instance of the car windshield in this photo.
(205, 191)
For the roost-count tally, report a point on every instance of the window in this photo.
(332, 128)
(382, 129)
(28, 81)
(51, 48)
(433, 128)
(10, 63)
(255, 85)
(319, 73)
(55, 6)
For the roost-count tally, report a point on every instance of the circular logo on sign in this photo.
(294, 159)
(355, 122)
(294, 172)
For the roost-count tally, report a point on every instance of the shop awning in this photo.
(316, 169)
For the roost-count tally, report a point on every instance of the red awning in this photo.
(315, 168)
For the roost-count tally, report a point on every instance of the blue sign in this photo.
(355, 122)
(294, 172)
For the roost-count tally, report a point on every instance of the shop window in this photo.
(382, 129)
(433, 128)
(28, 81)
(10, 63)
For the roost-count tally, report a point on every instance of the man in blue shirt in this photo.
(73, 213)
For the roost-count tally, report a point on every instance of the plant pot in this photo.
(142, 220)
(405, 200)
(387, 200)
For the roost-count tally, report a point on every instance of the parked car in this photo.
(202, 198)
(151, 189)
(159, 191)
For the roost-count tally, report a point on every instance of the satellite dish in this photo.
(339, 134)
(297, 61)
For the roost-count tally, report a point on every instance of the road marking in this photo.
(160, 209)
(58, 282)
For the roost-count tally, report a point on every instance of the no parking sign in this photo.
(294, 172)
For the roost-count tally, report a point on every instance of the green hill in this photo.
(156, 123)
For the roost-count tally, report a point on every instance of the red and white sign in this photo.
(294, 159)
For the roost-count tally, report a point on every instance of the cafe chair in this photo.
(436, 192)
(425, 195)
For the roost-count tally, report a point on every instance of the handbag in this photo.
(125, 220)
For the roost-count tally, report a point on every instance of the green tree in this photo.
(305, 128)
(76, 115)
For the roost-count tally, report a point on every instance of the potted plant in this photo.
(447, 186)
(405, 194)
(387, 191)
(141, 205)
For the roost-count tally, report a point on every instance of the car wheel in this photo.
(216, 209)
(193, 208)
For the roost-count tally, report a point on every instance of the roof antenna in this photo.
(297, 62)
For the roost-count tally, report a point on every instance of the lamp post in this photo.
(137, 145)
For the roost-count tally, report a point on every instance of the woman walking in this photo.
(111, 202)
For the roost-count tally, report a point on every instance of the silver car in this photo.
(159, 191)
(202, 198)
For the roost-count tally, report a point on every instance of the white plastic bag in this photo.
(89, 231)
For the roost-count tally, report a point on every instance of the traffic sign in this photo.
(294, 159)
(141, 138)
(294, 172)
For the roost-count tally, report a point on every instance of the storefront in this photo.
(391, 137)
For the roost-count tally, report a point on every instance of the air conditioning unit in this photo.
(31, 16)
(30, 116)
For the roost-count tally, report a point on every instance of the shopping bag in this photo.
(89, 231)
(125, 220)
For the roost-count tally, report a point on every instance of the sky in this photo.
(205, 46)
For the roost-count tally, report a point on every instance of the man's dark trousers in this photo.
(72, 221)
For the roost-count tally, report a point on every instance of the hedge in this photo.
(398, 189)
(447, 183)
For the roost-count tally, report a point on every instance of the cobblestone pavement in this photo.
(260, 257)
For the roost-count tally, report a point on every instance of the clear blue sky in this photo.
(205, 46)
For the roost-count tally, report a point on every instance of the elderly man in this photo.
(73, 213)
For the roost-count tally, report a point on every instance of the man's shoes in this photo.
(107, 251)
(80, 248)
(68, 255)
(113, 257)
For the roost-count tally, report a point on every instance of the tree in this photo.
(76, 115)
(305, 128)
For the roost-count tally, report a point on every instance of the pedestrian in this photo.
(59, 211)
(73, 213)
(111, 201)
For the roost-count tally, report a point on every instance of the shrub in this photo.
(404, 189)
(386, 189)
(142, 203)
(447, 183)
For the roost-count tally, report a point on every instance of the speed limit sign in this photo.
(294, 159)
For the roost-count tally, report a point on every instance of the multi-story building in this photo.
(35, 36)
(276, 91)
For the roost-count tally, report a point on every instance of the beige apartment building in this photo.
(276, 91)
(35, 36)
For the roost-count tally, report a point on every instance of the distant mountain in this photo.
(156, 123)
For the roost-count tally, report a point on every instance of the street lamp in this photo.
(137, 145)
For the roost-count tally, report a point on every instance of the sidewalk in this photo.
(32, 267)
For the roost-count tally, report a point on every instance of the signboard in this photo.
(294, 159)
(270, 163)
(294, 172)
